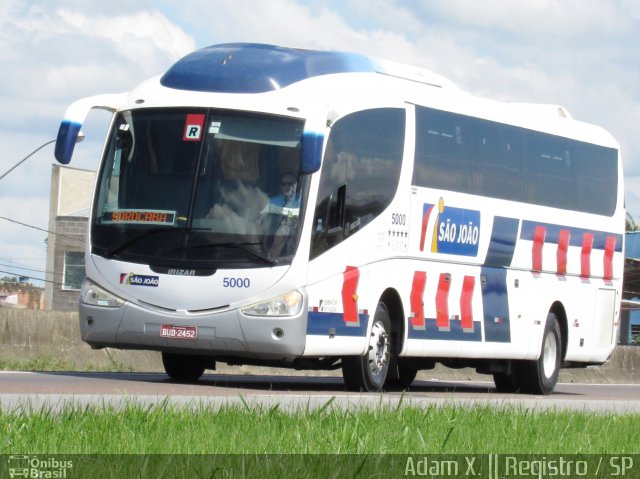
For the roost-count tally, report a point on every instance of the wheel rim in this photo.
(378, 350)
(550, 353)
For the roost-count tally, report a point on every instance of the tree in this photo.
(631, 225)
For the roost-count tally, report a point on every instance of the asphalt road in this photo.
(56, 389)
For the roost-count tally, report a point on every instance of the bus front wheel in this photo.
(540, 376)
(183, 367)
(406, 376)
(369, 372)
(506, 382)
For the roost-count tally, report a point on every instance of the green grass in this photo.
(252, 441)
(163, 429)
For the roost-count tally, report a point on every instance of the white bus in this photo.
(322, 210)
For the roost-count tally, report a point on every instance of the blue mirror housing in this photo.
(312, 142)
(66, 141)
(68, 133)
(311, 152)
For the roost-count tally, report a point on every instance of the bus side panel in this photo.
(337, 319)
(462, 252)
(346, 282)
(465, 311)
(581, 270)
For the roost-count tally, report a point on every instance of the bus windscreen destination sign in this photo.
(142, 217)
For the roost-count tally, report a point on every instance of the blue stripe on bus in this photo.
(495, 305)
(503, 242)
(322, 324)
(455, 332)
(553, 231)
(493, 278)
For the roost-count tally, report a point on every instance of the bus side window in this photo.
(442, 151)
(359, 174)
(597, 172)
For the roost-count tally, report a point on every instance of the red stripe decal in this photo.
(442, 301)
(536, 252)
(466, 311)
(561, 255)
(349, 296)
(423, 232)
(609, 248)
(585, 257)
(417, 304)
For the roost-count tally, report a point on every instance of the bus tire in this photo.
(506, 382)
(406, 376)
(183, 367)
(540, 376)
(369, 371)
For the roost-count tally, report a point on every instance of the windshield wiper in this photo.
(266, 257)
(150, 232)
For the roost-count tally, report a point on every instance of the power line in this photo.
(41, 229)
(38, 279)
(26, 158)
(22, 259)
(20, 268)
(24, 268)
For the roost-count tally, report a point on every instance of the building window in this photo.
(73, 270)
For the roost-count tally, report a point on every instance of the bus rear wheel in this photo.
(369, 371)
(183, 367)
(540, 376)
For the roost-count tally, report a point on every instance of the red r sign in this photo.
(193, 127)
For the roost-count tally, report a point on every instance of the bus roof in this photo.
(259, 68)
(297, 82)
(252, 68)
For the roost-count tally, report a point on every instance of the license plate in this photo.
(178, 332)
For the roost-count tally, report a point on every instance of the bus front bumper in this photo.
(225, 333)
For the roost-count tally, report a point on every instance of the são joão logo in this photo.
(139, 279)
(455, 231)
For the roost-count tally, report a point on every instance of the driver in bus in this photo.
(287, 202)
(288, 196)
(280, 215)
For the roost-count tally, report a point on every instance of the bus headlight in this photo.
(93, 294)
(288, 304)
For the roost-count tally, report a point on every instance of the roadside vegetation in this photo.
(168, 429)
(165, 440)
(44, 363)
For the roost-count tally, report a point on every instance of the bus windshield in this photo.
(200, 188)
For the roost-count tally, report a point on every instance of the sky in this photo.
(581, 54)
